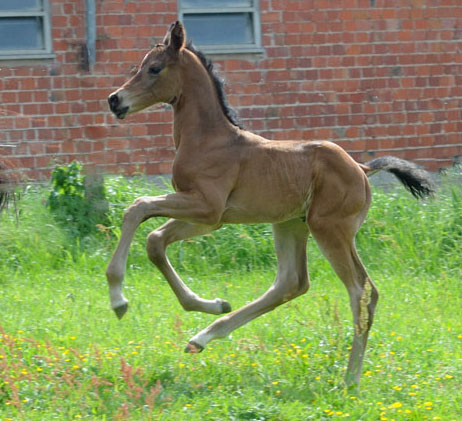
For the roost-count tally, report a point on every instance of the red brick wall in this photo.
(377, 77)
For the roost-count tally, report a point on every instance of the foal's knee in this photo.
(293, 285)
(155, 247)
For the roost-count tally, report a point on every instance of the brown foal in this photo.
(224, 174)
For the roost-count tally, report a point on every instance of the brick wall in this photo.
(376, 76)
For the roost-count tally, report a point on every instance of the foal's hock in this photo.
(224, 174)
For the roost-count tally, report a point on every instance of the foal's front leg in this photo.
(157, 242)
(185, 206)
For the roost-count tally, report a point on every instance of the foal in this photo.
(224, 174)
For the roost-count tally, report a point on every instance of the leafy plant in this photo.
(77, 200)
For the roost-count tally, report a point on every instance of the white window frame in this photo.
(47, 51)
(254, 10)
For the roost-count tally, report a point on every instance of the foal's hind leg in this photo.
(336, 240)
(291, 281)
(157, 242)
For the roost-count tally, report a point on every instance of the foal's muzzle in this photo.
(115, 104)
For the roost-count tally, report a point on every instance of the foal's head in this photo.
(157, 79)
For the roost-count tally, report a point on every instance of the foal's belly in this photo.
(265, 206)
(237, 216)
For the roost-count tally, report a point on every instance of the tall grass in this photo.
(401, 234)
(415, 237)
(63, 354)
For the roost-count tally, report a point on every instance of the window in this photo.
(222, 26)
(24, 29)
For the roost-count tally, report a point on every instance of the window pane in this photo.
(216, 3)
(20, 5)
(21, 33)
(214, 28)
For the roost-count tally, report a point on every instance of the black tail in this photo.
(414, 179)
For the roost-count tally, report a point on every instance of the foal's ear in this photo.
(176, 36)
(166, 39)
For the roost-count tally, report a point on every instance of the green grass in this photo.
(64, 355)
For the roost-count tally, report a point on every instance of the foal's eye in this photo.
(154, 70)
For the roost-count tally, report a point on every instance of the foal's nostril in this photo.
(113, 101)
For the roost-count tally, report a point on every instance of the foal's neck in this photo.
(198, 115)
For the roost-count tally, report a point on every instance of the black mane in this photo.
(218, 82)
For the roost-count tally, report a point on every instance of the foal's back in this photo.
(278, 179)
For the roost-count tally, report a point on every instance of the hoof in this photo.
(121, 310)
(193, 348)
(225, 306)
